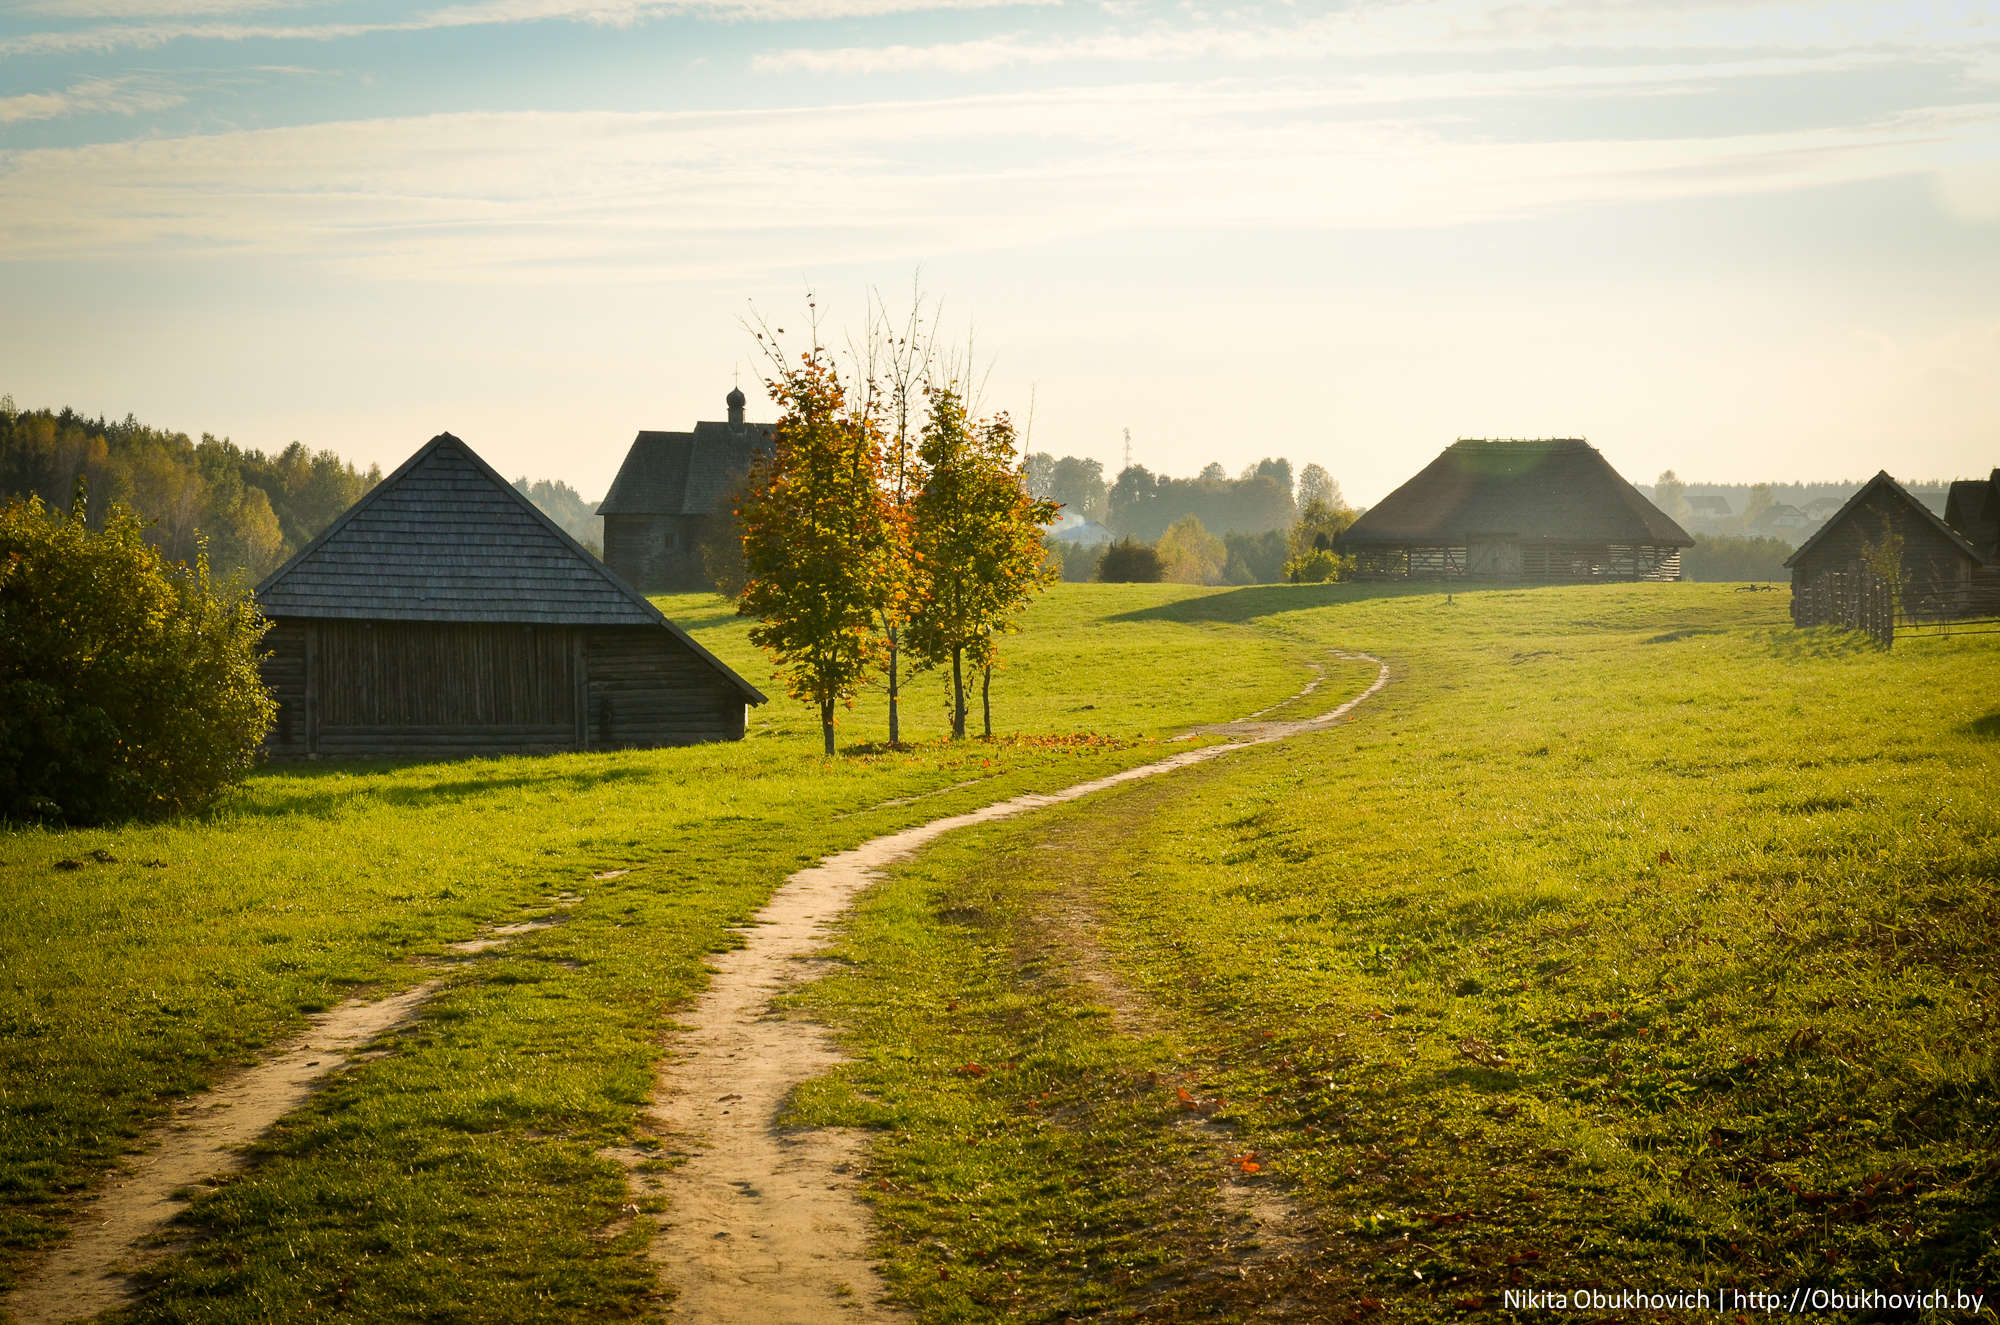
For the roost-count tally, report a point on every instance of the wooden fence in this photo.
(1854, 599)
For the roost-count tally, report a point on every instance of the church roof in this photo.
(684, 473)
(447, 539)
(1558, 490)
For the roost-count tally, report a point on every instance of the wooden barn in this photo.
(672, 494)
(1942, 571)
(1548, 511)
(444, 614)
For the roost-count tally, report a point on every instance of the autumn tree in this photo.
(1189, 554)
(976, 545)
(896, 358)
(819, 536)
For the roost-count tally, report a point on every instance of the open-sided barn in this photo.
(444, 614)
(672, 494)
(1545, 510)
(1941, 570)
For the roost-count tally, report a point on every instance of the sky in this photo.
(1745, 239)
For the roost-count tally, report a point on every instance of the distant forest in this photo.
(252, 509)
(1143, 505)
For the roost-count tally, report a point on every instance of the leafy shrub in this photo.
(128, 683)
(1130, 562)
(1318, 566)
(1255, 558)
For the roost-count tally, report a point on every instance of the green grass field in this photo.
(138, 965)
(1627, 941)
(1629, 938)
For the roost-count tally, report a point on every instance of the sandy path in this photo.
(203, 1140)
(765, 1225)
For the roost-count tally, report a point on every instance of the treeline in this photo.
(251, 510)
(1142, 505)
(1187, 553)
(566, 506)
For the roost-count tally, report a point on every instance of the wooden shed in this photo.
(1940, 566)
(1550, 510)
(444, 614)
(673, 493)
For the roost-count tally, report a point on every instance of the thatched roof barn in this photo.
(1942, 571)
(444, 614)
(672, 494)
(1549, 510)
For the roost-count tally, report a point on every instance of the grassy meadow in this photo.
(1630, 938)
(461, 1174)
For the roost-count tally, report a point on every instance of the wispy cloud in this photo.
(173, 24)
(591, 195)
(131, 95)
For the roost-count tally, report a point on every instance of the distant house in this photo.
(672, 494)
(1820, 509)
(1782, 519)
(1085, 533)
(1708, 506)
(1550, 510)
(1939, 565)
(444, 614)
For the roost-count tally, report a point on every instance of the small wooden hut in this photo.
(673, 493)
(1940, 568)
(444, 614)
(1548, 511)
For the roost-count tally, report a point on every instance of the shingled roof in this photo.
(445, 538)
(684, 473)
(1860, 501)
(1558, 490)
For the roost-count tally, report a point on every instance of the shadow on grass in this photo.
(1820, 642)
(706, 620)
(323, 790)
(1262, 600)
(1987, 727)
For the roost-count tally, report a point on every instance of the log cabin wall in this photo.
(644, 687)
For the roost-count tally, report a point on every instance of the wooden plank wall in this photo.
(645, 687)
(426, 690)
(284, 672)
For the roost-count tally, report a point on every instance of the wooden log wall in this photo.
(1534, 562)
(428, 690)
(646, 688)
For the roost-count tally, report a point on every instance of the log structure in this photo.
(444, 614)
(1936, 573)
(1546, 510)
(674, 493)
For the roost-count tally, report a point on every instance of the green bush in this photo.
(1130, 562)
(1318, 566)
(128, 683)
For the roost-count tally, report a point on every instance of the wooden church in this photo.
(444, 614)
(673, 494)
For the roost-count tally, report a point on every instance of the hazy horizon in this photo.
(1745, 241)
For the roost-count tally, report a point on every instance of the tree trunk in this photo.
(958, 694)
(986, 701)
(895, 726)
(826, 722)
